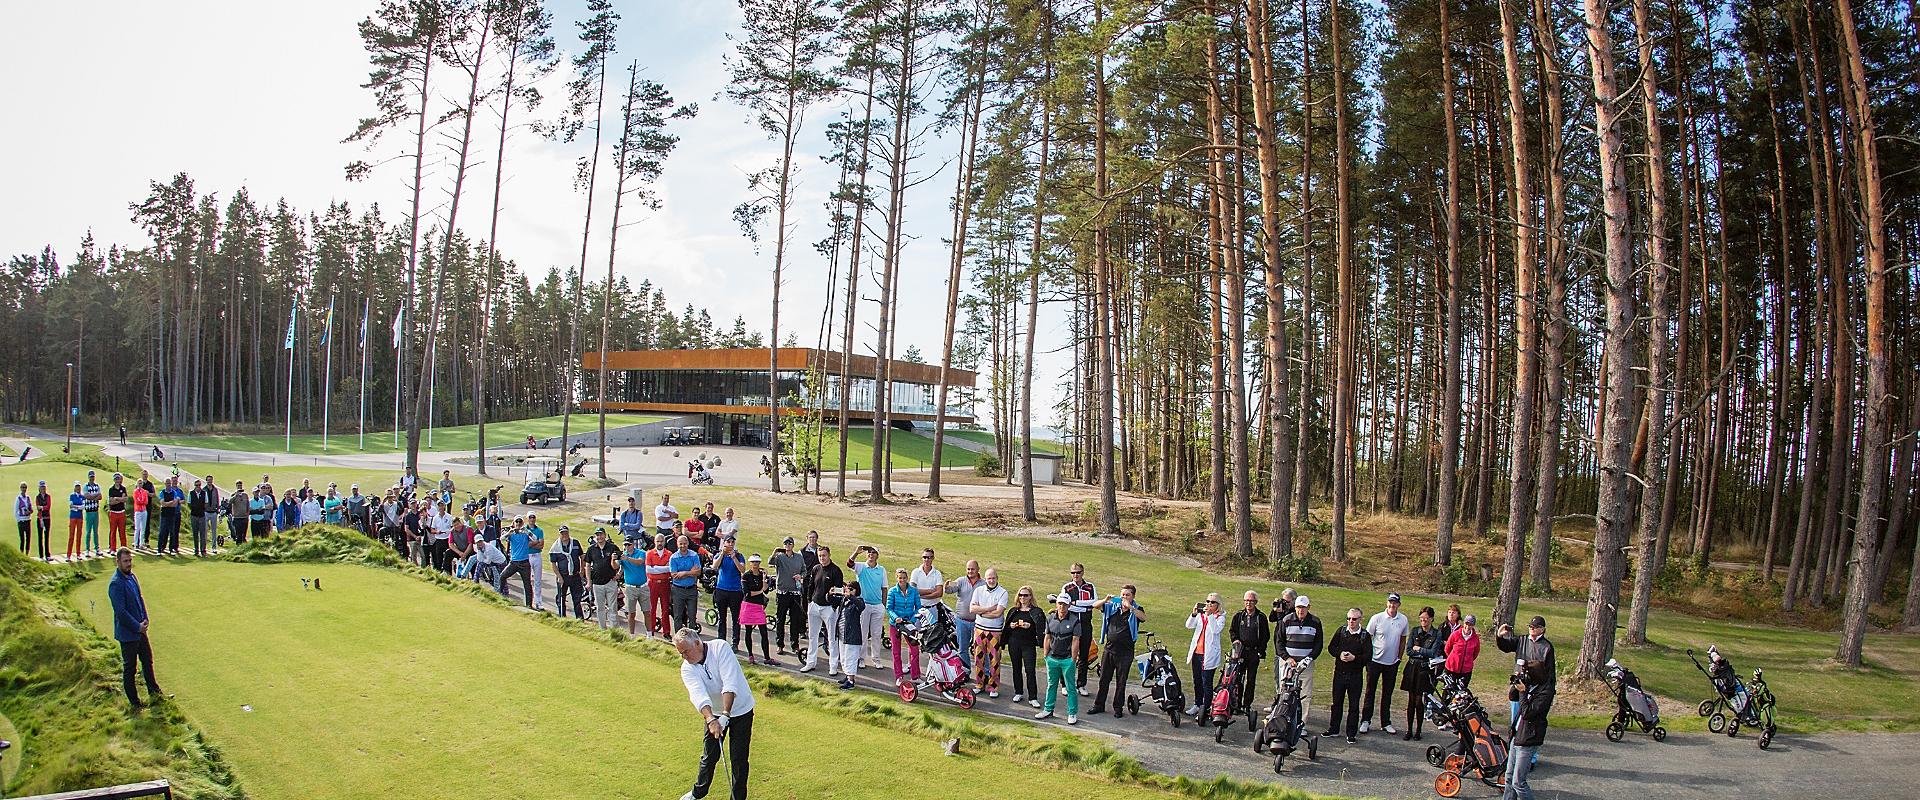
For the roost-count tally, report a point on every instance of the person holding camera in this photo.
(872, 578)
(1249, 630)
(1119, 629)
(1351, 648)
(1532, 692)
(823, 613)
(1534, 647)
(1206, 622)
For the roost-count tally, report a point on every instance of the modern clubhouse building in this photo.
(724, 391)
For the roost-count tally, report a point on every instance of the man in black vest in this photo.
(1249, 630)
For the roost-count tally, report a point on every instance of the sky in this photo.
(111, 95)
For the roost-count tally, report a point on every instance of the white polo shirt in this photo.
(925, 580)
(715, 675)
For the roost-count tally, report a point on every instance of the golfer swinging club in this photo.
(719, 691)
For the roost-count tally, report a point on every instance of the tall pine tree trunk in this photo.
(1873, 450)
(1659, 379)
(1447, 502)
(1267, 138)
(1614, 515)
(1343, 253)
(1520, 476)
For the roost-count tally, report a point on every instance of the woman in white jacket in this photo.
(1203, 653)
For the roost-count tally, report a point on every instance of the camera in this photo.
(1200, 607)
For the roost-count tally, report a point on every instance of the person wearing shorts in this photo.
(633, 583)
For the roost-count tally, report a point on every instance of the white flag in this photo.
(399, 319)
(293, 316)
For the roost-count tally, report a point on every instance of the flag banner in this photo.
(399, 320)
(326, 330)
(363, 330)
(293, 317)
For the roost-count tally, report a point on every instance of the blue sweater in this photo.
(902, 604)
(129, 608)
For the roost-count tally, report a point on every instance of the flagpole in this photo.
(293, 317)
(366, 312)
(326, 382)
(399, 323)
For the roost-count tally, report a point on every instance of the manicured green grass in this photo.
(333, 694)
(986, 438)
(1814, 694)
(910, 451)
(345, 440)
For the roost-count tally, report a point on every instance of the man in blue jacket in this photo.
(130, 627)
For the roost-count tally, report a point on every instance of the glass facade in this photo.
(749, 388)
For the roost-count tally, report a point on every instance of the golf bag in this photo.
(1735, 704)
(1633, 706)
(933, 629)
(1161, 678)
(1286, 718)
(1479, 751)
(1226, 697)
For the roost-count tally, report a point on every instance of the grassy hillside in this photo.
(986, 438)
(344, 440)
(60, 699)
(910, 451)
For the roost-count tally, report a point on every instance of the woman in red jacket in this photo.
(1463, 649)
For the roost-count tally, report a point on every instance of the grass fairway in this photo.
(1814, 694)
(346, 441)
(386, 686)
(910, 451)
(986, 438)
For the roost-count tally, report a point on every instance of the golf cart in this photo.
(673, 437)
(693, 435)
(543, 482)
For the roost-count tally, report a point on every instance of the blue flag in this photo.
(326, 332)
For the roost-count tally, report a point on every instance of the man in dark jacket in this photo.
(1535, 647)
(1250, 631)
(1536, 699)
(1300, 637)
(130, 628)
(1350, 647)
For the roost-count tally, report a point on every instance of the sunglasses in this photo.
(1026, 594)
(1353, 619)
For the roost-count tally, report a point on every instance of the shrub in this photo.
(986, 465)
(1303, 568)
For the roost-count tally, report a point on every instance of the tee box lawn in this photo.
(384, 685)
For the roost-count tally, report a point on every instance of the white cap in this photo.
(1302, 600)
